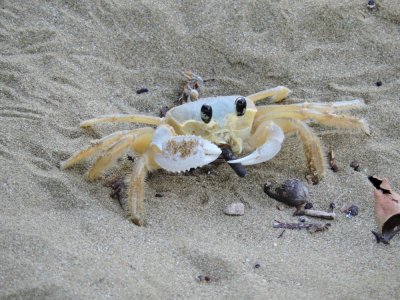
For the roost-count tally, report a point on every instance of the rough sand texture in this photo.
(66, 61)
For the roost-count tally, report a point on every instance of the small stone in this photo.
(355, 165)
(308, 205)
(142, 90)
(371, 4)
(235, 209)
(303, 219)
(350, 210)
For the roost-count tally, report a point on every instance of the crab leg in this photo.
(112, 154)
(95, 148)
(101, 145)
(329, 119)
(312, 147)
(271, 137)
(317, 106)
(277, 94)
(150, 120)
(135, 196)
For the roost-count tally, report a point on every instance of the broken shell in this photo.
(387, 209)
(292, 192)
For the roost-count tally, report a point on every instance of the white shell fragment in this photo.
(234, 209)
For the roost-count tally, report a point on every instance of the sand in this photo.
(63, 237)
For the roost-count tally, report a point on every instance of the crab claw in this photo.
(181, 153)
(266, 151)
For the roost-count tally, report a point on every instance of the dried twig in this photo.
(312, 227)
(315, 213)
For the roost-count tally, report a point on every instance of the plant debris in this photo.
(191, 88)
(387, 210)
(301, 211)
(118, 186)
(311, 227)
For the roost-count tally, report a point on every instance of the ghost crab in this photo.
(189, 136)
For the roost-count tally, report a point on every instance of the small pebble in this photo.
(350, 210)
(142, 90)
(371, 4)
(303, 219)
(308, 205)
(355, 165)
(235, 209)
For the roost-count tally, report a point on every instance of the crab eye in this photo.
(206, 113)
(240, 106)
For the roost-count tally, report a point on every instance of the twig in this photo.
(312, 227)
(315, 213)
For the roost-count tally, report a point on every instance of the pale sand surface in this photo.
(66, 61)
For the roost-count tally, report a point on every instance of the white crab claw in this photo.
(266, 151)
(181, 153)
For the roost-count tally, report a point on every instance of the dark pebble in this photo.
(355, 165)
(308, 205)
(292, 192)
(371, 4)
(142, 90)
(352, 210)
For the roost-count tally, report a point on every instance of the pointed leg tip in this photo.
(137, 220)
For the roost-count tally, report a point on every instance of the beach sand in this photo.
(63, 62)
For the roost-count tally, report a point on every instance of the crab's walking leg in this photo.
(317, 106)
(340, 121)
(277, 94)
(268, 139)
(103, 144)
(95, 148)
(135, 196)
(150, 120)
(312, 147)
